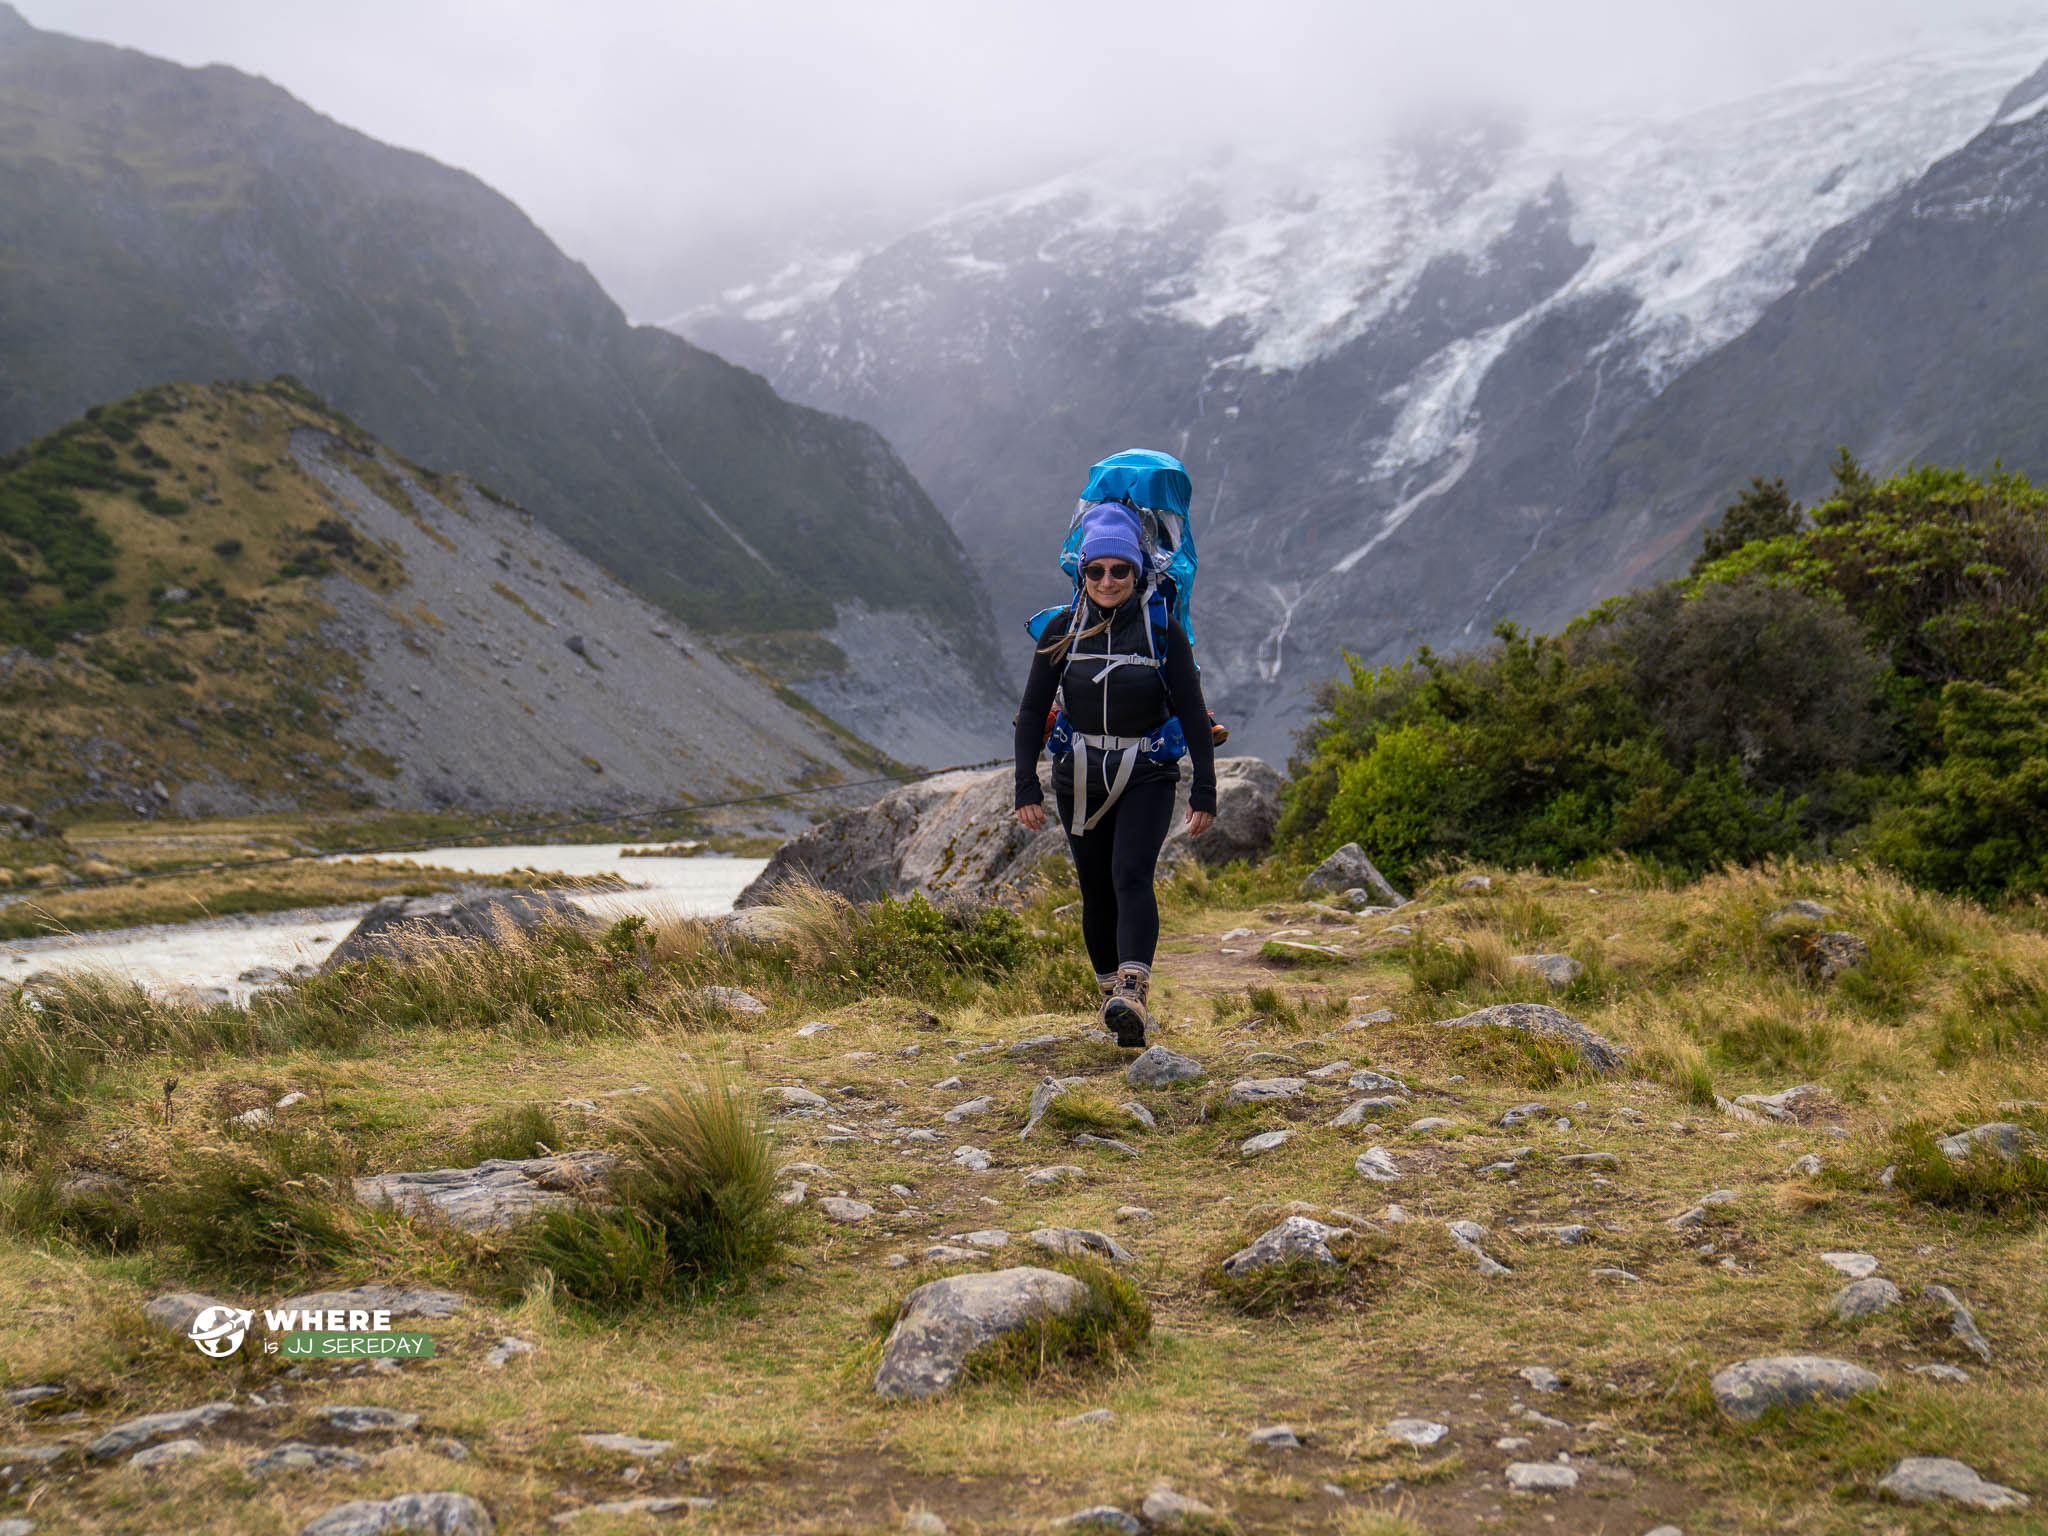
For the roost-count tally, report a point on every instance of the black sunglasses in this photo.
(1108, 570)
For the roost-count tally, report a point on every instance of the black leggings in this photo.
(1116, 860)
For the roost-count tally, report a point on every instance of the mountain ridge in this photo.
(174, 223)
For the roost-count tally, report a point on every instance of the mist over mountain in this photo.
(1455, 379)
(166, 223)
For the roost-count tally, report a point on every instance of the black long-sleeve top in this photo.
(1132, 701)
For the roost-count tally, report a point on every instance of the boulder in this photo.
(1821, 957)
(2000, 1136)
(1962, 1322)
(133, 1434)
(957, 834)
(400, 927)
(427, 1514)
(1346, 869)
(495, 1194)
(1263, 1090)
(1748, 1389)
(1929, 1479)
(1298, 1237)
(1864, 1298)
(1541, 1019)
(1156, 1066)
(1798, 917)
(942, 1323)
(1556, 970)
(1083, 1243)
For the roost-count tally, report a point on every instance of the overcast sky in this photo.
(674, 144)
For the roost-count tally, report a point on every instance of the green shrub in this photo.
(1361, 1268)
(259, 1209)
(609, 1257)
(1500, 1054)
(706, 1176)
(1983, 1181)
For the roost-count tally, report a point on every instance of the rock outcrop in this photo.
(399, 927)
(957, 835)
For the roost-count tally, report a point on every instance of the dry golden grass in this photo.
(756, 1390)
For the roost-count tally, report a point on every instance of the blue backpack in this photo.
(1156, 487)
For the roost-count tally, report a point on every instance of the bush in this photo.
(259, 1210)
(696, 1214)
(1983, 1181)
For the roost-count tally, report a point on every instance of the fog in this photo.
(676, 148)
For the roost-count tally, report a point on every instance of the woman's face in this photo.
(1109, 580)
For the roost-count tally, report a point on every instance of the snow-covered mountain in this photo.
(1398, 373)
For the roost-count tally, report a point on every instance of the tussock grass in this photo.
(696, 1214)
(1982, 1182)
(1079, 1109)
(266, 1206)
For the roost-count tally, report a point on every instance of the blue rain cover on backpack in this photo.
(1156, 486)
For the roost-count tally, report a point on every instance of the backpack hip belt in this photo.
(1128, 748)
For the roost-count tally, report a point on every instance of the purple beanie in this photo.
(1110, 529)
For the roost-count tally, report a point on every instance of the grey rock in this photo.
(1033, 1044)
(429, 1514)
(494, 1195)
(1042, 1096)
(1930, 1479)
(1556, 970)
(1779, 1106)
(814, 1027)
(398, 1300)
(1277, 1437)
(1797, 916)
(945, 1321)
(974, 1158)
(1541, 1477)
(1541, 1019)
(1589, 1160)
(164, 1453)
(298, 1456)
(987, 1237)
(949, 1083)
(1323, 1074)
(133, 1434)
(784, 1097)
(1521, 1114)
(1748, 1389)
(1247, 810)
(1133, 1213)
(1088, 1139)
(846, 1212)
(1941, 1371)
(1369, 1081)
(1267, 1141)
(1611, 1272)
(173, 1312)
(291, 1099)
(1542, 1378)
(1565, 1235)
(1058, 1173)
(1361, 1110)
(1141, 1114)
(959, 1112)
(1102, 1517)
(627, 1445)
(2000, 1136)
(1083, 1242)
(1962, 1322)
(793, 1192)
(1297, 1237)
(1430, 1123)
(950, 1253)
(1476, 883)
(1377, 1164)
(1089, 1419)
(359, 1420)
(1864, 1298)
(1468, 1235)
(21, 1397)
(728, 1000)
(645, 1504)
(1167, 1509)
(1416, 1432)
(1806, 1167)
(924, 1522)
(1156, 1066)
(1263, 1090)
(400, 928)
(508, 1349)
(764, 927)
(1824, 956)
(1346, 868)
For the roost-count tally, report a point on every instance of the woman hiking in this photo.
(1123, 668)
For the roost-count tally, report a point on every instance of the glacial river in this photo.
(213, 953)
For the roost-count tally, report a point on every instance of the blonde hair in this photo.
(1057, 649)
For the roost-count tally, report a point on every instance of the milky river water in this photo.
(213, 953)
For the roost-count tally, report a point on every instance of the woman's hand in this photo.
(1200, 821)
(1031, 817)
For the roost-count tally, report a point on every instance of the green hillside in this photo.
(168, 223)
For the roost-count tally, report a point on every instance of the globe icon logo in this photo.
(218, 1331)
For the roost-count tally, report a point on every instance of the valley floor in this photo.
(765, 1397)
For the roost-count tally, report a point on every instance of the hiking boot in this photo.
(1123, 1014)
